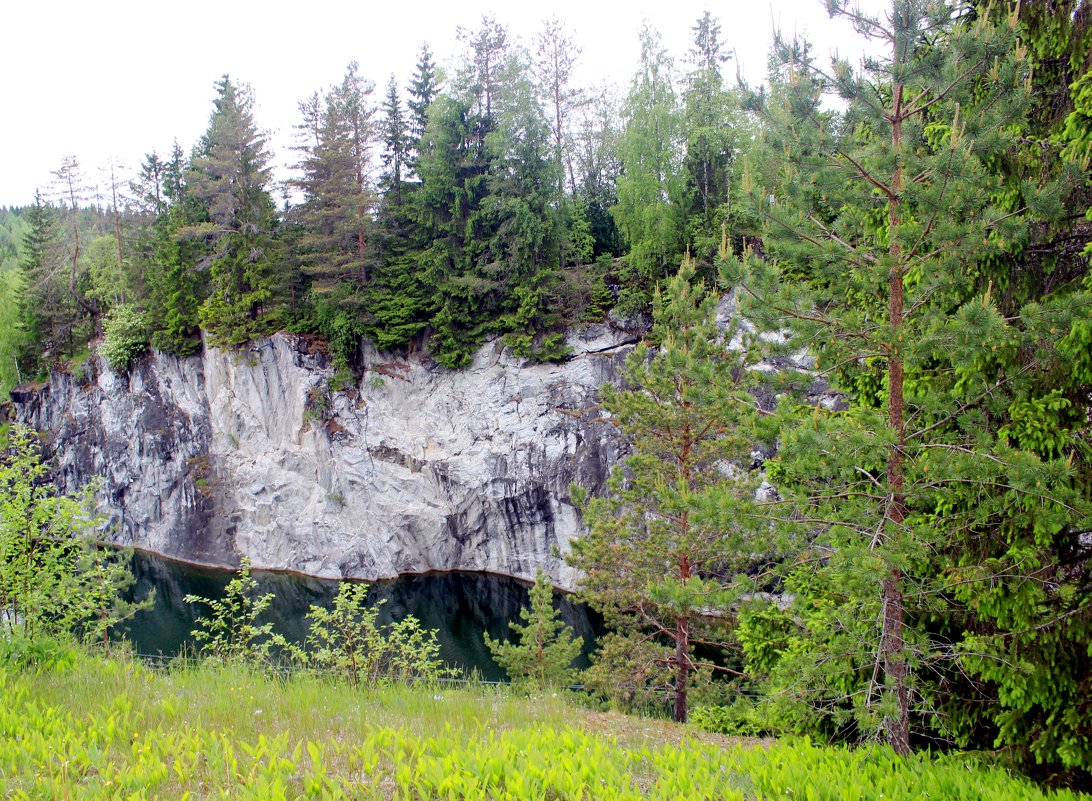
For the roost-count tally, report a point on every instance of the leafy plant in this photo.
(125, 337)
(54, 581)
(347, 640)
(231, 632)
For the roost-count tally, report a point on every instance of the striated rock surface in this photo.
(249, 454)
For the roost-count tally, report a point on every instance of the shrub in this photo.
(347, 640)
(125, 337)
(231, 633)
(54, 581)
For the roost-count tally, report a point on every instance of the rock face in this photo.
(249, 454)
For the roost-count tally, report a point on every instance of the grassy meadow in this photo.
(93, 727)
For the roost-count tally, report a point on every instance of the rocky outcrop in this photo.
(252, 454)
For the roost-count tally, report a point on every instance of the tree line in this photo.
(494, 198)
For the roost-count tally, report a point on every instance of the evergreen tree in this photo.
(881, 223)
(650, 185)
(679, 522)
(524, 249)
(453, 168)
(484, 71)
(44, 304)
(334, 219)
(544, 647)
(423, 89)
(70, 189)
(395, 145)
(229, 175)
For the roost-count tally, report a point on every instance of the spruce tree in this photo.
(424, 88)
(395, 144)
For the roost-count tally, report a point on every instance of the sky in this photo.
(110, 81)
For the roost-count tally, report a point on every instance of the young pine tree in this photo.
(679, 524)
(545, 647)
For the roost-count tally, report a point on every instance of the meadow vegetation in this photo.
(88, 726)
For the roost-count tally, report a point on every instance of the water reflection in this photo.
(460, 606)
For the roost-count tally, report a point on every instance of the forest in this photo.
(918, 568)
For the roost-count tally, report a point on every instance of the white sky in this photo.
(114, 80)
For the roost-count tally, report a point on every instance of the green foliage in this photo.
(898, 247)
(228, 732)
(544, 647)
(680, 520)
(651, 185)
(54, 581)
(125, 337)
(347, 640)
(228, 176)
(231, 631)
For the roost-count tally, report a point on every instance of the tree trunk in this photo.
(892, 644)
(682, 666)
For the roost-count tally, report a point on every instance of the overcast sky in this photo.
(116, 79)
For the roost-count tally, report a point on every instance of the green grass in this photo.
(101, 728)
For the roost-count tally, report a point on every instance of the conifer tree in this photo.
(229, 175)
(423, 89)
(880, 226)
(679, 523)
(44, 304)
(544, 646)
(334, 218)
(395, 144)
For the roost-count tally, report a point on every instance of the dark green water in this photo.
(460, 606)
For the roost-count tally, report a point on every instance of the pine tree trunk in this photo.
(892, 644)
(682, 667)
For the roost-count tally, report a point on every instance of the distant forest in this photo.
(496, 198)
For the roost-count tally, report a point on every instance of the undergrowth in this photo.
(97, 728)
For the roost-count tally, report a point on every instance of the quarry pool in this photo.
(460, 606)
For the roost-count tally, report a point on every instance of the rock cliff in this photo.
(250, 453)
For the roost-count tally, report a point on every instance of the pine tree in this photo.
(880, 224)
(679, 521)
(544, 647)
(334, 219)
(484, 71)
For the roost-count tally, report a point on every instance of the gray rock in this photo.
(228, 455)
(248, 454)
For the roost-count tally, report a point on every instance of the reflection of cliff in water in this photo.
(460, 606)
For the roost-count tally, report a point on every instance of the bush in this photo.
(348, 641)
(231, 633)
(54, 581)
(125, 337)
